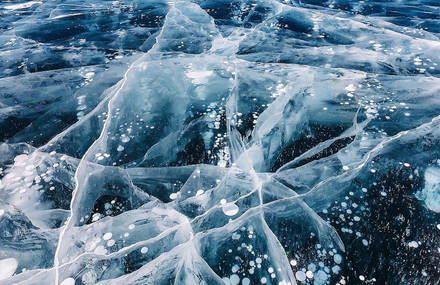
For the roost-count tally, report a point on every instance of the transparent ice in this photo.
(219, 142)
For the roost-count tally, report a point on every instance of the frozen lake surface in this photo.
(220, 142)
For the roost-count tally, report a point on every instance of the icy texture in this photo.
(431, 192)
(219, 142)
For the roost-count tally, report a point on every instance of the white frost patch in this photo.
(230, 209)
(199, 77)
(100, 250)
(7, 267)
(91, 245)
(111, 243)
(350, 88)
(173, 196)
(89, 75)
(22, 5)
(68, 281)
(107, 236)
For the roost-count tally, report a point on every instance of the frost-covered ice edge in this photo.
(213, 142)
